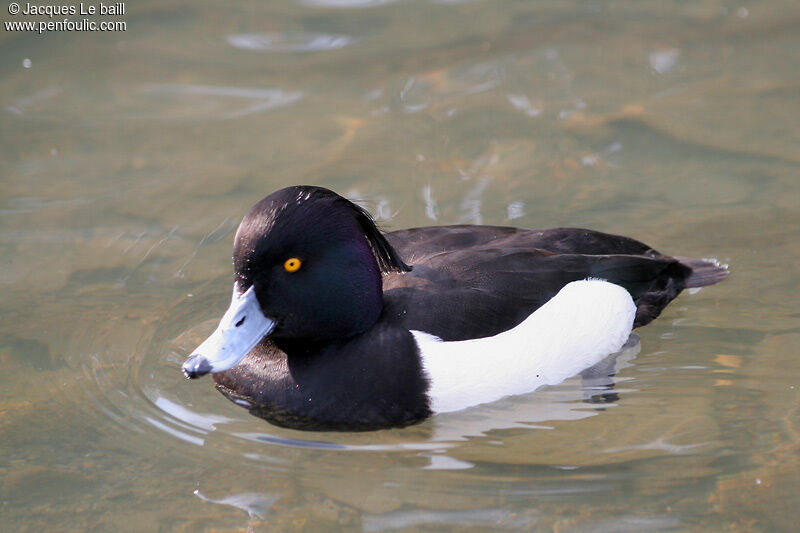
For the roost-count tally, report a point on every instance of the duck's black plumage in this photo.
(342, 355)
(505, 274)
(367, 381)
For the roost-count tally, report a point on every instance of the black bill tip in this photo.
(196, 366)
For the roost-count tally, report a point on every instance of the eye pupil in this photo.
(292, 264)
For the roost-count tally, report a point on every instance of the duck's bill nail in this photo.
(241, 328)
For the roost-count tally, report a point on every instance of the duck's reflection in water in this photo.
(586, 395)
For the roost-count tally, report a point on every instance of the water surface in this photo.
(128, 159)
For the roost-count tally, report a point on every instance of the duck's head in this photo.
(307, 265)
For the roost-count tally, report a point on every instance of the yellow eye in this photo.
(292, 264)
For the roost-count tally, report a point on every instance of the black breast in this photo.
(369, 381)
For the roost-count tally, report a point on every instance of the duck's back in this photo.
(476, 281)
(416, 243)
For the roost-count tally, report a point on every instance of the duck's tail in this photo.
(672, 281)
(704, 271)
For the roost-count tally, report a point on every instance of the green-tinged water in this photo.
(127, 160)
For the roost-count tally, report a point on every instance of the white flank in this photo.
(585, 322)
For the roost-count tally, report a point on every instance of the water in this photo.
(127, 160)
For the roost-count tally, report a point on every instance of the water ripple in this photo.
(259, 99)
(289, 41)
(345, 3)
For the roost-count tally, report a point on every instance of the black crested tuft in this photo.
(388, 258)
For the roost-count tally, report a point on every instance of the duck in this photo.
(334, 325)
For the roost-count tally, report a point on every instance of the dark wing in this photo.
(502, 275)
(417, 243)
